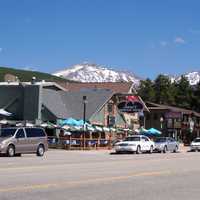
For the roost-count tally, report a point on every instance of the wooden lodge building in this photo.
(182, 124)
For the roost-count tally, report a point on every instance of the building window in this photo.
(110, 121)
(110, 107)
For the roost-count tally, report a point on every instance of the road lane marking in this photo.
(52, 165)
(68, 184)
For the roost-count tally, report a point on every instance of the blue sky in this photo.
(142, 36)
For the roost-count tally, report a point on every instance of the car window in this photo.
(171, 140)
(35, 132)
(197, 140)
(7, 132)
(20, 133)
(145, 139)
(136, 139)
(161, 139)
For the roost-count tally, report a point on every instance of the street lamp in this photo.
(84, 118)
(161, 122)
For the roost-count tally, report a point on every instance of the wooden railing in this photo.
(80, 143)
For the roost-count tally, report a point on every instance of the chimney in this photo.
(33, 81)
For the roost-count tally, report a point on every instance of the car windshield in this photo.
(160, 140)
(132, 139)
(8, 132)
(197, 140)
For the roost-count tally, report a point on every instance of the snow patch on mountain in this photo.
(96, 73)
(192, 77)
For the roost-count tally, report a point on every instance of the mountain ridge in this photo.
(87, 72)
(96, 73)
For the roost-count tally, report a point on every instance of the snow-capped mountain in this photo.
(96, 73)
(87, 72)
(193, 77)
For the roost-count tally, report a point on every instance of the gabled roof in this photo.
(155, 106)
(70, 104)
(116, 87)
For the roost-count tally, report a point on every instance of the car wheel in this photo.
(151, 150)
(165, 149)
(138, 151)
(40, 150)
(11, 151)
(176, 149)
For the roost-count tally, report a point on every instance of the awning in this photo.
(4, 112)
(99, 128)
(154, 131)
(106, 129)
(3, 121)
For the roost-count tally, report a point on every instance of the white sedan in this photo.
(136, 143)
(195, 145)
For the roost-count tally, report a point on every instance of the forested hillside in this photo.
(179, 93)
(25, 75)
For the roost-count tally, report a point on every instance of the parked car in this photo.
(138, 144)
(15, 141)
(164, 144)
(195, 145)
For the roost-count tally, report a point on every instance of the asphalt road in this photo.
(93, 175)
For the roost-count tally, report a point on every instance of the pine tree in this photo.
(146, 90)
(184, 93)
(162, 87)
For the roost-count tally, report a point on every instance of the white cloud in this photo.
(29, 68)
(163, 43)
(179, 40)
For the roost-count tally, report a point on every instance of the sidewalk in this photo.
(183, 148)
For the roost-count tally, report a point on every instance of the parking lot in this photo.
(95, 175)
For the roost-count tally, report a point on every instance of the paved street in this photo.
(97, 175)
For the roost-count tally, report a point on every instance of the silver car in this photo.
(164, 144)
(15, 141)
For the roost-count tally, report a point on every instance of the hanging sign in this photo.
(130, 106)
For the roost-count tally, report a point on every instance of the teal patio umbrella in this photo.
(153, 131)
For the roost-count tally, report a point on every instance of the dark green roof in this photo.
(70, 104)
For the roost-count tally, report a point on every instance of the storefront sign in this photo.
(130, 106)
(173, 115)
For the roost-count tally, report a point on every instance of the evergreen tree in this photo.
(162, 90)
(195, 103)
(146, 90)
(184, 93)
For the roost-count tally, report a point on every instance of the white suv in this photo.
(137, 143)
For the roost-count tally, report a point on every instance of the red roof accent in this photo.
(132, 98)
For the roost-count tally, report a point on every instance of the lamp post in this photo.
(84, 118)
(161, 122)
